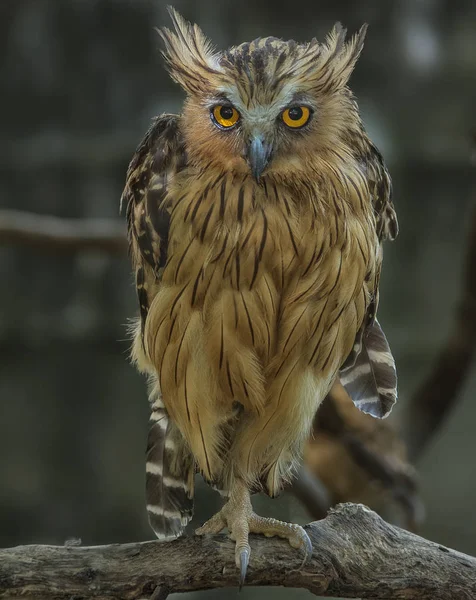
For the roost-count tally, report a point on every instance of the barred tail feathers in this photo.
(170, 473)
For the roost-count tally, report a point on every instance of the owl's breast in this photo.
(271, 277)
(231, 228)
(225, 232)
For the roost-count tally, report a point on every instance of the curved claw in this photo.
(244, 560)
(307, 548)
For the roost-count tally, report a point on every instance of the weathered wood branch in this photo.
(356, 555)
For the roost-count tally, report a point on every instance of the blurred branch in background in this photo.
(60, 149)
(361, 459)
(311, 492)
(437, 394)
(62, 235)
(356, 555)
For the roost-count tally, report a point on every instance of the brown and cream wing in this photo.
(159, 157)
(369, 374)
(170, 466)
(380, 186)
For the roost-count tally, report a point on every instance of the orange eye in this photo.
(225, 116)
(296, 116)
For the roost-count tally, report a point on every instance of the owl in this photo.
(255, 220)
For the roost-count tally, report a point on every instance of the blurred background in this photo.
(80, 81)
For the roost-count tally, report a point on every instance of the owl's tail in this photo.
(170, 471)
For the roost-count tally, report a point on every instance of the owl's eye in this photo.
(224, 116)
(296, 116)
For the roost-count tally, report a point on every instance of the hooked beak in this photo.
(259, 153)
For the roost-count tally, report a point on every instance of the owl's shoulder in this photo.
(162, 143)
(381, 191)
(160, 154)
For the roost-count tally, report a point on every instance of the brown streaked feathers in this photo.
(254, 295)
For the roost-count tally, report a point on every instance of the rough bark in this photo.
(356, 555)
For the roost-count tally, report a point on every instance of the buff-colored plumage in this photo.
(254, 292)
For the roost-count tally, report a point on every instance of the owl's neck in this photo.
(207, 198)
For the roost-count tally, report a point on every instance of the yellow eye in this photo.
(225, 116)
(296, 116)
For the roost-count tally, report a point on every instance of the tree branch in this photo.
(356, 555)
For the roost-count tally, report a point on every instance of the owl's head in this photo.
(266, 106)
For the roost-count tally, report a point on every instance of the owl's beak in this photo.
(258, 155)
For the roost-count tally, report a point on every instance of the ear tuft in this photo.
(342, 56)
(189, 55)
(336, 38)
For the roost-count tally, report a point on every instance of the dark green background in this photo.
(79, 82)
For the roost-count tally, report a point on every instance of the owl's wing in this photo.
(170, 466)
(380, 186)
(369, 374)
(156, 161)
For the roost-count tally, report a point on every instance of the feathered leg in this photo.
(240, 519)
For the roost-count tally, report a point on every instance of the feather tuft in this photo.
(189, 55)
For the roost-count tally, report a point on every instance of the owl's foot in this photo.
(240, 519)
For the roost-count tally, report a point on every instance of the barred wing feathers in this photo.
(170, 467)
(369, 375)
(380, 186)
(158, 158)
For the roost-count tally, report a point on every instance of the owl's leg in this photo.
(240, 519)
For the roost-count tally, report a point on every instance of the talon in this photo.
(307, 549)
(238, 517)
(243, 566)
